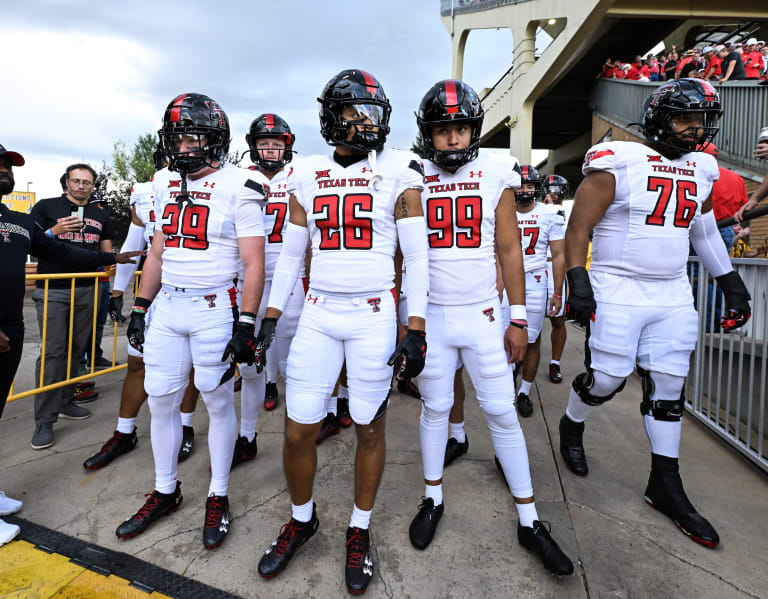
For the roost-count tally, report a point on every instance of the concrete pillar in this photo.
(521, 133)
(459, 44)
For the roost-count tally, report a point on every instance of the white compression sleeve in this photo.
(412, 235)
(134, 241)
(295, 239)
(708, 244)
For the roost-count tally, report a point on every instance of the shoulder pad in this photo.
(258, 187)
(415, 165)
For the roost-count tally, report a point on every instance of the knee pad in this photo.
(434, 419)
(208, 378)
(596, 387)
(655, 389)
(506, 421)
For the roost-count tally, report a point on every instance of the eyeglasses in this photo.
(83, 182)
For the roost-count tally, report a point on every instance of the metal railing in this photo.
(745, 112)
(460, 7)
(726, 386)
(44, 334)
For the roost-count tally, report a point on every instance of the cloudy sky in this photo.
(79, 75)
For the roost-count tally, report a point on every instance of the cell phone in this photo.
(80, 212)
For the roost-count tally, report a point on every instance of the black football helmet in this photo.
(450, 101)
(367, 108)
(201, 117)
(528, 174)
(673, 100)
(270, 126)
(557, 186)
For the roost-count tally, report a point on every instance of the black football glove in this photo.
(116, 308)
(242, 346)
(580, 305)
(736, 300)
(413, 348)
(136, 323)
(263, 341)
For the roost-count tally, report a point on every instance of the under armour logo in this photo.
(367, 170)
(211, 299)
(689, 163)
(368, 566)
(473, 174)
(489, 314)
(431, 179)
(312, 298)
(209, 184)
(321, 174)
(176, 183)
(282, 185)
(374, 303)
(224, 526)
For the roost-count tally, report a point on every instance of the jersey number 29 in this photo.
(187, 226)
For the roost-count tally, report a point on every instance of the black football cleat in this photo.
(359, 567)
(424, 523)
(454, 450)
(187, 443)
(217, 518)
(572, 447)
(538, 540)
(524, 405)
(156, 505)
(345, 419)
(292, 535)
(665, 493)
(330, 427)
(270, 397)
(407, 386)
(245, 451)
(117, 445)
(554, 374)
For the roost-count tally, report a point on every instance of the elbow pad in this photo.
(295, 239)
(134, 241)
(706, 240)
(412, 236)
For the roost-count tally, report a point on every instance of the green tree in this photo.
(135, 165)
(115, 198)
(417, 147)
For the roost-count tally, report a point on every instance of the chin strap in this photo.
(375, 177)
(183, 195)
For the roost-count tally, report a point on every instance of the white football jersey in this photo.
(201, 248)
(351, 223)
(539, 226)
(143, 198)
(460, 209)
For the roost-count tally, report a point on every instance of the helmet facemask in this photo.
(455, 157)
(197, 152)
(359, 125)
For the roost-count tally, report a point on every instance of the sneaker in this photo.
(117, 445)
(187, 442)
(665, 493)
(270, 397)
(245, 451)
(238, 384)
(85, 396)
(407, 386)
(554, 374)
(345, 420)
(572, 447)
(102, 363)
(292, 535)
(454, 450)
(424, 524)
(538, 540)
(73, 412)
(43, 436)
(84, 386)
(216, 521)
(8, 532)
(330, 427)
(359, 568)
(524, 405)
(8, 505)
(156, 505)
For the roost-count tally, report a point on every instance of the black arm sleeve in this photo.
(52, 249)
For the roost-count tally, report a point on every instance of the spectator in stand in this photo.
(609, 68)
(764, 58)
(631, 72)
(621, 71)
(689, 66)
(645, 71)
(752, 59)
(671, 66)
(714, 58)
(729, 193)
(733, 65)
(653, 68)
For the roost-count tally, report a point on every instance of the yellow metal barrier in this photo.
(93, 373)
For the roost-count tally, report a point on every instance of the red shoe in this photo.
(554, 374)
(270, 397)
(84, 385)
(85, 396)
(330, 427)
(345, 420)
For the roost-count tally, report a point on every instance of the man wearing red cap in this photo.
(729, 193)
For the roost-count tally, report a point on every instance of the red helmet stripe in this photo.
(370, 82)
(270, 121)
(525, 172)
(176, 112)
(451, 97)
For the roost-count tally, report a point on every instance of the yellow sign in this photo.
(21, 201)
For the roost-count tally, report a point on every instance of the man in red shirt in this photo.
(632, 72)
(729, 193)
(753, 61)
(714, 58)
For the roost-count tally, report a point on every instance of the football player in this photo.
(354, 205)
(645, 203)
(125, 438)
(209, 227)
(556, 191)
(542, 231)
(469, 202)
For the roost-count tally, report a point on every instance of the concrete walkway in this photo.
(623, 547)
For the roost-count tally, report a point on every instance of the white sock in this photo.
(526, 513)
(343, 392)
(457, 431)
(333, 403)
(555, 362)
(302, 513)
(663, 436)
(577, 410)
(187, 418)
(248, 430)
(126, 425)
(525, 387)
(434, 492)
(360, 518)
